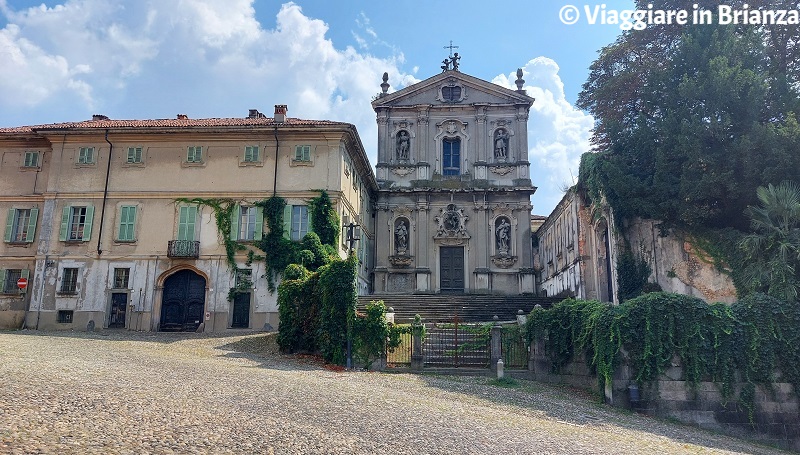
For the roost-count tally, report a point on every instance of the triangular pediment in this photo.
(452, 88)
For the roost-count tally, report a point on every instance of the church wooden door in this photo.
(451, 271)
(183, 302)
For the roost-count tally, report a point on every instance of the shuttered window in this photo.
(76, 223)
(134, 155)
(86, 155)
(194, 154)
(251, 154)
(127, 223)
(302, 153)
(187, 219)
(21, 225)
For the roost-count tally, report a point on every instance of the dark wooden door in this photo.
(183, 302)
(451, 271)
(119, 303)
(241, 310)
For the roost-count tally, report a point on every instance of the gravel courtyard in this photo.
(134, 393)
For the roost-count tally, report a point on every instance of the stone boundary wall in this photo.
(776, 418)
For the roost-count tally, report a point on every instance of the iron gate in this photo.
(457, 345)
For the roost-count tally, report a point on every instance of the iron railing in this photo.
(183, 249)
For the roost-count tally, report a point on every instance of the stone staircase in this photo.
(468, 307)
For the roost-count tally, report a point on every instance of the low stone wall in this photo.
(776, 418)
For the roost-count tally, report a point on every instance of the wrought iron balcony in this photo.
(183, 249)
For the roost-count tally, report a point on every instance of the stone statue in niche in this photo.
(501, 144)
(401, 236)
(403, 145)
(502, 235)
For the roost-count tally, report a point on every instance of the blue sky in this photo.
(64, 61)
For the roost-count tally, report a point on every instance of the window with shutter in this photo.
(21, 225)
(251, 154)
(76, 223)
(86, 155)
(127, 224)
(31, 159)
(134, 155)
(302, 153)
(194, 154)
(187, 219)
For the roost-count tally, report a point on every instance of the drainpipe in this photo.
(105, 196)
(275, 177)
(278, 117)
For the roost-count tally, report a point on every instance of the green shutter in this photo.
(186, 222)
(191, 222)
(2, 280)
(310, 227)
(25, 273)
(87, 227)
(127, 223)
(287, 221)
(62, 234)
(259, 231)
(9, 224)
(236, 213)
(122, 233)
(29, 236)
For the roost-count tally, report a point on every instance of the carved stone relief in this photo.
(403, 171)
(451, 225)
(501, 170)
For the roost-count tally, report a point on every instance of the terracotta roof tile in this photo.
(169, 123)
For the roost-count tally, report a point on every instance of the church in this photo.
(452, 211)
(101, 225)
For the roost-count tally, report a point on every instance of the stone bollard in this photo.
(500, 366)
(496, 343)
(417, 358)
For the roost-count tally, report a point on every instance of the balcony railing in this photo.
(183, 249)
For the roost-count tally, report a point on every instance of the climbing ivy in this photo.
(373, 335)
(751, 341)
(324, 218)
(223, 210)
(632, 274)
(337, 307)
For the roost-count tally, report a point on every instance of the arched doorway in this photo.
(183, 302)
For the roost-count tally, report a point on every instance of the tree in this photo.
(688, 123)
(773, 249)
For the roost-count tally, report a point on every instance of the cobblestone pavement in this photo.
(134, 393)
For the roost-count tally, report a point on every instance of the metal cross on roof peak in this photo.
(451, 47)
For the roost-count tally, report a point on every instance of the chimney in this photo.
(97, 117)
(253, 113)
(280, 113)
(183, 117)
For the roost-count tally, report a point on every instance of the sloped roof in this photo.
(171, 124)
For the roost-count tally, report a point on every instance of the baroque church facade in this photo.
(452, 211)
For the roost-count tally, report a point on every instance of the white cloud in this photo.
(206, 58)
(558, 133)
